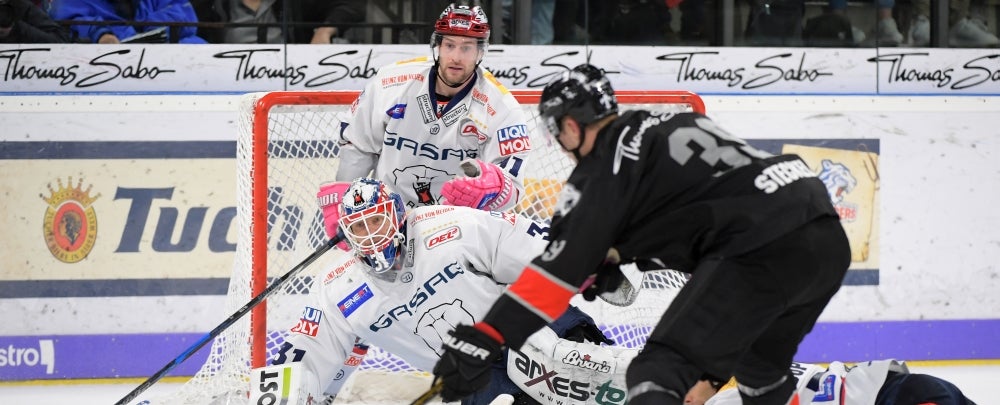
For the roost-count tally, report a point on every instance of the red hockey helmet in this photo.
(463, 21)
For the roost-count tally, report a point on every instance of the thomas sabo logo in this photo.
(70, 225)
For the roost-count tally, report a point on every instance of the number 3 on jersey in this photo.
(720, 150)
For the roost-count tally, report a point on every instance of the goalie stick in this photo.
(231, 320)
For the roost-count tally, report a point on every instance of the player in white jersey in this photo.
(412, 277)
(416, 120)
(879, 382)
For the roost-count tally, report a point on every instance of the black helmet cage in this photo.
(583, 93)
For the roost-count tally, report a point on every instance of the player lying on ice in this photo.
(879, 382)
(411, 278)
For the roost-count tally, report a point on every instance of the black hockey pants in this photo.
(743, 316)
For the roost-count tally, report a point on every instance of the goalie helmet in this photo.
(583, 93)
(370, 217)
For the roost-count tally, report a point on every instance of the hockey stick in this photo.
(231, 320)
(431, 392)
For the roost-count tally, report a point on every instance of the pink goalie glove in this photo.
(330, 196)
(483, 187)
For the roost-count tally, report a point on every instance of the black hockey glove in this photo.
(609, 277)
(587, 332)
(466, 363)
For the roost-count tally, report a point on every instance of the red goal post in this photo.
(286, 147)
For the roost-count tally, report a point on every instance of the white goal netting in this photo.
(286, 147)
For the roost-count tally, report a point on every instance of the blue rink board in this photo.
(142, 355)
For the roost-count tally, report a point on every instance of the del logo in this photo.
(471, 130)
(513, 139)
(396, 112)
(353, 301)
(309, 322)
(70, 224)
(447, 235)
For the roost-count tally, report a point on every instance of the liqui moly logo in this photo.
(513, 139)
(352, 302)
(309, 322)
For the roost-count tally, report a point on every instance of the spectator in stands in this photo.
(886, 31)
(695, 27)
(631, 22)
(828, 29)
(127, 12)
(327, 15)
(542, 15)
(22, 22)
(965, 32)
(775, 22)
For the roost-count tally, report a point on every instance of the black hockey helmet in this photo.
(583, 93)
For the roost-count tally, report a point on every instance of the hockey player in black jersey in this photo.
(757, 232)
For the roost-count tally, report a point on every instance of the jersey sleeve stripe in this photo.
(541, 292)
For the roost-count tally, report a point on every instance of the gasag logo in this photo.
(70, 224)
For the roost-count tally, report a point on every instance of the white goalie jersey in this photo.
(397, 129)
(456, 261)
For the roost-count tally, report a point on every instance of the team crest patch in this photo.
(351, 303)
(70, 224)
(396, 112)
(309, 322)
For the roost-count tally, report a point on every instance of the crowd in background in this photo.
(830, 23)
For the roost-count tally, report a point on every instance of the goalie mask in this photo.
(370, 217)
(583, 93)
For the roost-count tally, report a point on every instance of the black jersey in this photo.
(663, 189)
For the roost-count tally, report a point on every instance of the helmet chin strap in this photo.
(575, 151)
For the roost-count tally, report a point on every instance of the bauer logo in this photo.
(30, 357)
(513, 139)
(309, 322)
(353, 301)
(70, 224)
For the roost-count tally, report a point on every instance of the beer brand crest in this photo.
(70, 225)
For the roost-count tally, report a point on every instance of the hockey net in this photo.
(285, 148)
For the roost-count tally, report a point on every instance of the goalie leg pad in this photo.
(290, 384)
